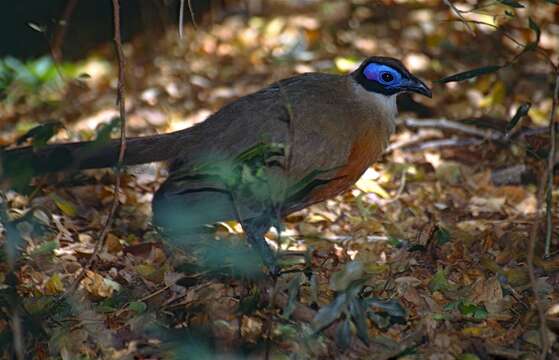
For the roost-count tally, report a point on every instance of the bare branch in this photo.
(455, 126)
(120, 99)
(434, 144)
(60, 32)
(122, 110)
(192, 16)
(544, 338)
(550, 166)
(181, 18)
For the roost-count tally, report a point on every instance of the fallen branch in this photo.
(435, 144)
(455, 126)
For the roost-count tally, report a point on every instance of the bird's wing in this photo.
(302, 113)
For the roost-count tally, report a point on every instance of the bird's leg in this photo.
(255, 229)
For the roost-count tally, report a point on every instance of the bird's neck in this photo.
(383, 106)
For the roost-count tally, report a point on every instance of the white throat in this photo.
(387, 104)
(383, 105)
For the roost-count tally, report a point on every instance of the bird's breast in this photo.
(365, 150)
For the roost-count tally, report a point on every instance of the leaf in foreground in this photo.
(470, 74)
(343, 334)
(328, 314)
(512, 3)
(520, 113)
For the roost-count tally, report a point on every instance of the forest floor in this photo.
(426, 256)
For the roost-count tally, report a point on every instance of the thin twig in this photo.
(192, 16)
(478, 22)
(458, 126)
(538, 49)
(122, 108)
(181, 18)
(550, 166)
(120, 99)
(459, 14)
(157, 292)
(277, 209)
(60, 32)
(533, 281)
(400, 189)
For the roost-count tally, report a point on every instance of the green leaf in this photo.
(64, 205)
(470, 74)
(439, 281)
(105, 309)
(45, 248)
(512, 3)
(104, 131)
(359, 317)
(138, 306)
(452, 305)
(521, 112)
(343, 334)
(41, 134)
(472, 310)
(385, 312)
(391, 307)
(314, 288)
(249, 304)
(535, 27)
(342, 279)
(468, 356)
(442, 236)
(36, 27)
(293, 291)
(328, 314)
(396, 242)
(382, 322)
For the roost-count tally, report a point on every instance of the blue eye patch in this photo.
(382, 74)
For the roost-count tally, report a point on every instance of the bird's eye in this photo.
(387, 77)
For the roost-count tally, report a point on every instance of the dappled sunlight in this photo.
(425, 255)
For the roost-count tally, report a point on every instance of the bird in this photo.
(294, 143)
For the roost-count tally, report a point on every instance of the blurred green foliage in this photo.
(18, 77)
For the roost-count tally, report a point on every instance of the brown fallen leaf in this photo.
(97, 286)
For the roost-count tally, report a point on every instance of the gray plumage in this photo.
(337, 125)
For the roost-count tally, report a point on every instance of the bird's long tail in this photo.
(91, 154)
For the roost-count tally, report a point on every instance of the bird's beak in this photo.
(417, 86)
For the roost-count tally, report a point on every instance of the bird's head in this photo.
(388, 76)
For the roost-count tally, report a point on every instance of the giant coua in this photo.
(331, 127)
